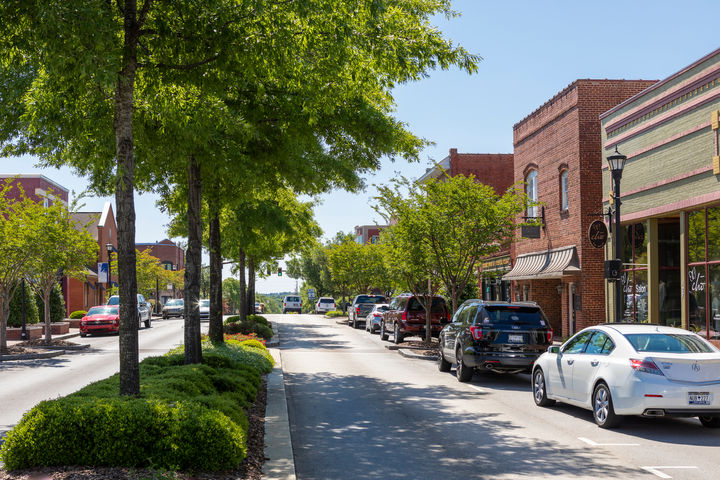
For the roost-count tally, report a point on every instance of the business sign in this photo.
(598, 234)
(311, 293)
(530, 231)
(102, 271)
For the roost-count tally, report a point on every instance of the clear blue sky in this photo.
(531, 50)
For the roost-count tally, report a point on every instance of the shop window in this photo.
(703, 272)
(634, 275)
(669, 292)
(696, 236)
(564, 190)
(531, 190)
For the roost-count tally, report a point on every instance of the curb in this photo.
(280, 463)
(32, 356)
(409, 354)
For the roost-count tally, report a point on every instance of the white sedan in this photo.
(632, 369)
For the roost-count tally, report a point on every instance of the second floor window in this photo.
(564, 190)
(531, 189)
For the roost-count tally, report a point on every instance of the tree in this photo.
(150, 274)
(341, 258)
(232, 293)
(61, 245)
(311, 265)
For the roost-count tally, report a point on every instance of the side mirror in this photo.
(554, 349)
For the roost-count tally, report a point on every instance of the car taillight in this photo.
(403, 316)
(477, 332)
(549, 335)
(645, 365)
(357, 309)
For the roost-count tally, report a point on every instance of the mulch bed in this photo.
(39, 342)
(250, 468)
(419, 347)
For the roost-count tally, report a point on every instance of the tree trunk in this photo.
(193, 263)
(428, 310)
(4, 313)
(251, 286)
(46, 314)
(243, 286)
(454, 293)
(125, 205)
(215, 329)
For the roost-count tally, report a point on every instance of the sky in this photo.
(530, 51)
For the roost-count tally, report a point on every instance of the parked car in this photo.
(361, 306)
(374, 318)
(144, 311)
(292, 303)
(175, 307)
(406, 317)
(498, 336)
(259, 308)
(100, 319)
(632, 369)
(324, 305)
(204, 309)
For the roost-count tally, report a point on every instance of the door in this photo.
(560, 378)
(587, 364)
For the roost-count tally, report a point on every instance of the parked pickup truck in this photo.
(361, 307)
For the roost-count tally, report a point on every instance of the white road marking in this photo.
(656, 470)
(476, 388)
(595, 444)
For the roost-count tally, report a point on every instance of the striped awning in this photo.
(548, 264)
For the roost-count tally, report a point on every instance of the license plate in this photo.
(515, 338)
(699, 398)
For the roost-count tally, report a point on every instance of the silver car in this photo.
(204, 309)
(175, 307)
(374, 318)
(144, 312)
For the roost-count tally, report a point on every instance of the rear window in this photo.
(438, 305)
(114, 300)
(370, 299)
(510, 315)
(382, 308)
(174, 303)
(327, 300)
(292, 299)
(103, 311)
(668, 342)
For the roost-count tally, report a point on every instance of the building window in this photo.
(703, 272)
(635, 274)
(167, 265)
(374, 239)
(531, 190)
(564, 190)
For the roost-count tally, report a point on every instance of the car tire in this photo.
(602, 407)
(148, 322)
(443, 365)
(540, 389)
(383, 333)
(140, 322)
(710, 422)
(397, 336)
(85, 335)
(284, 312)
(164, 317)
(462, 371)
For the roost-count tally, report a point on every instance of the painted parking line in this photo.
(476, 388)
(595, 444)
(656, 470)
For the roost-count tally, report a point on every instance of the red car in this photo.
(101, 319)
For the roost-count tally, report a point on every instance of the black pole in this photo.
(23, 331)
(619, 294)
(157, 295)
(109, 282)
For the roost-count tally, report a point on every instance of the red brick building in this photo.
(558, 154)
(36, 187)
(495, 170)
(365, 234)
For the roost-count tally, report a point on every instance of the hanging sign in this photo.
(102, 270)
(598, 234)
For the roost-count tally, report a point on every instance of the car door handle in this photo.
(570, 361)
(594, 363)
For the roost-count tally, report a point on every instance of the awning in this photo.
(548, 264)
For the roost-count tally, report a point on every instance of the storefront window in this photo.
(714, 330)
(669, 292)
(713, 232)
(697, 283)
(634, 276)
(696, 236)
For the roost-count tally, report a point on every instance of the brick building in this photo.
(495, 170)
(171, 257)
(670, 194)
(558, 154)
(81, 295)
(365, 234)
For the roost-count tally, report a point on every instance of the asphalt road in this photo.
(24, 383)
(360, 411)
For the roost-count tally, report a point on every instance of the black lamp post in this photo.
(110, 249)
(23, 331)
(617, 163)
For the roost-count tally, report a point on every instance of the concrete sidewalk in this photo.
(280, 463)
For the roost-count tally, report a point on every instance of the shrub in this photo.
(335, 313)
(232, 319)
(31, 312)
(57, 305)
(77, 314)
(232, 328)
(262, 331)
(253, 344)
(258, 319)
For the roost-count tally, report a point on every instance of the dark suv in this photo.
(406, 317)
(498, 336)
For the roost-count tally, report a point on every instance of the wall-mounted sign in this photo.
(598, 234)
(530, 231)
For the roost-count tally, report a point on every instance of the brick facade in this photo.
(36, 187)
(564, 135)
(365, 234)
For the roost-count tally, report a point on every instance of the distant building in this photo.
(172, 257)
(365, 234)
(36, 187)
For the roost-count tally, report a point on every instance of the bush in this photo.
(335, 313)
(262, 331)
(258, 319)
(77, 314)
(31, 311)
(57, 305)
(232, 319)
(253, 344)
(233, 328)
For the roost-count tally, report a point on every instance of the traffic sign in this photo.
(311, 293)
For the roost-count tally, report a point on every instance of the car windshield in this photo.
(438, 305)
(204, 303)
(668, 342)
(106, 310)
(327, 300)
(514, 315)
(174, 303)
(370, 299)
(114, 300)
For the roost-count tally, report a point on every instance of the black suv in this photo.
(498, 336)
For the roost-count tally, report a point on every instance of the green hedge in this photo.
(57, 305)
(335, 313)
(31, 310)
(77, 314)
(247, 327)
(188, 417)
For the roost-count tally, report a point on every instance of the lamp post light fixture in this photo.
(617, 164)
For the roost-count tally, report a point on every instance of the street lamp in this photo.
(110, 249)
(617, 164)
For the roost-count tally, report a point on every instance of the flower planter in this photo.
(57, 328)
(34, 331)
(74, 322)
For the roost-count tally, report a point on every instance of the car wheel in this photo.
(540, 390)
(443, 365)
(463, 372)
(85, 335)
(398, 337)
(148, 322)
(710, 422)
(284, 312)
(383, 332)
(140, 322)
(164, 317)
(603, 410)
